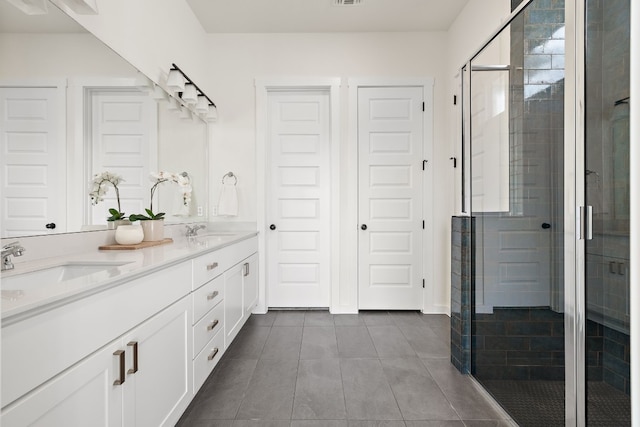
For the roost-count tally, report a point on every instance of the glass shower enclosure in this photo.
(523, 349)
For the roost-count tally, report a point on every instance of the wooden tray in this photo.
(141, 245)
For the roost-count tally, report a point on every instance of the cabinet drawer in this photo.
(208, 358)
(207, 297)
(207, 327)
(211, 265)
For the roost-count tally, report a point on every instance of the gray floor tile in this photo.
(439, 323)
(319, 394)
(262, 319)
(318, 318)
(355, 341)
(207, 423)
(248, 343)
(270, 391)
(390, 342)
(283, 343)
(367, 393)
(319, 342)
(406, 318)
(425, 342)
(289, 318)
(261, 423)
(347, 320)
(376, 318)
(358, 423)
(434, 423)
(460, 391)
(416, 392)
(318, 423)
(221, 396)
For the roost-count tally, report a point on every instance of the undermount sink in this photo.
(54, 274)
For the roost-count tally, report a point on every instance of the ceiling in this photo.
(312, 16)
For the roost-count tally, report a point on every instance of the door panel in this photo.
(124, 141)
(298, 204)
(390, 140)
(32, 143)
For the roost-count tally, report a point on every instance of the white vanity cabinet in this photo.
(61, 363)
(250, 284)
(218, 303)
(140, 379)
(134, 354)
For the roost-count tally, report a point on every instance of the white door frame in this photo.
(263, 87)
(79, 108)
(426, 83)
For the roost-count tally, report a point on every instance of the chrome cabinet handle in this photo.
(212, 295)
(212, 266)
(120, 355)
(213, 354)
(134, 344)
(212, 325)
(246, 269)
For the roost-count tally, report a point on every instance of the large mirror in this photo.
(71, 108)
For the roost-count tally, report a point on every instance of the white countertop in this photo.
(19, 304)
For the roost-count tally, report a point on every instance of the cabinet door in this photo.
(233, 306)
(159, 368)
(250, 284)
(85, 395)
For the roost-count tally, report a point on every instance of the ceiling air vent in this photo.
(347, 2)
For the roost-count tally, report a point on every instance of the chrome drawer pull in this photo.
(213, 354)
(212, 325)
(212, 266)
(212, 295)
(120, 355)
(134, 344)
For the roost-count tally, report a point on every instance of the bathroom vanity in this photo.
(129, 341)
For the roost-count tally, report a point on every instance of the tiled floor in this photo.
(315, 369)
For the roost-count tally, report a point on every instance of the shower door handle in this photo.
(586, 222)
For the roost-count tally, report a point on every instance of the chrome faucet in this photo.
(193, 231)
(9, 249)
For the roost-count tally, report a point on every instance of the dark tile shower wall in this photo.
(461, 293)
(519, 344)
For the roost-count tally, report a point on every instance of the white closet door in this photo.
(298, 270)
(390, 143)
(33, 149)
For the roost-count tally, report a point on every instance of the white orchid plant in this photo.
(184, 183)
(100, 185)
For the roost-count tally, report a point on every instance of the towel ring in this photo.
(230, 175)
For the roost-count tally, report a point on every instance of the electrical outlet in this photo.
(214, 211)
(200, 211)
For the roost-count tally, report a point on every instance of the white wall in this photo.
(478, 21)
(150, 34)
(236, 60)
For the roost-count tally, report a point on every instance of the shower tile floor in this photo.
(315, 369)
(541, 403)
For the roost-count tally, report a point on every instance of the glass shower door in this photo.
(516, 179)
(607, 192)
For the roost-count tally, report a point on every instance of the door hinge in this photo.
(423, 224)
(422, 283)
(423, 106)
(455, 100)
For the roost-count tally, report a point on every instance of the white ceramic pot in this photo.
(129, 234)
(153, 230)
